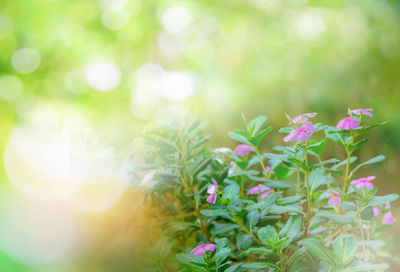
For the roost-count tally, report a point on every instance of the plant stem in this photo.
(306, 173)
(346, 177)
(237, 221)
(361, 230)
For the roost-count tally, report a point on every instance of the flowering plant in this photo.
(287, 210)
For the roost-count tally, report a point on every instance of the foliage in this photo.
(289, 210)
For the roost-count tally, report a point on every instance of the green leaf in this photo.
(240, 138)
(317, 146)
(316, 248)
(362, 266)
(344, 248)
(233, 267)
(317, 178)
(289, 200)
(252, 218)
(222, 254)
(382, 200)
(293, 208)
(342, 219)
(231, 192)
(357, 145)
(257, 265)
(367, 213)
(214, 213)
(258, 250)
(285, 130)
(255, 124)
(291, 229)
(263, 203)
(278, 184)
(221, 228)
(363, 129)
(190, 261)
(376, 159)
(266, 234)
(261, 135)
(244, 241)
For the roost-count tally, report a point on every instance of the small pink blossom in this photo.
(334, 198)
(376, 211)
(363, 182)
(268, 170)
(264, 190)
(348, 123)
(201, 249)
(388, 218)
(242, 150)
(303, 117)
(361, 111)
(387, 206)
(301, 134)
(212, 190)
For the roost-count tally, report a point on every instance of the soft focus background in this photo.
(79, 80)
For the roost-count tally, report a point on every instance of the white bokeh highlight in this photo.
(176, 19)
(25, 60)
(103, 76)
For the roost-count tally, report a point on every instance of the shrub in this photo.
(288, 210)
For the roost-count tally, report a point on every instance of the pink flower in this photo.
(387, 206)
(303, 117)
(268, 170)
(388, 218)
(334, 198)
(300, 134)
(260, 189)
(363, 182)
(201, 249)
(242, 150)
(376, 211)
(212, 190)
(347, 123)
(361, 111)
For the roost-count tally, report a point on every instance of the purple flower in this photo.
(242, 150)
(302, 118)
(376, 211)
(264, 190)
(268, 170)
(388, 218)
(212, 190)
(334, 198)
(347, 123)
(361, 111)
(201, 249)
(363, 182)
(300, 134)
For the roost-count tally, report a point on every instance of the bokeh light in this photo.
(25, 60)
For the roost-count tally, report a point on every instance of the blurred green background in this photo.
(80, 79)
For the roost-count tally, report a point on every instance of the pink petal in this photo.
(308, 127)
(370, 178)
(214, 181)
(291, 136)
(303, 137)
(253, 190)
(360, 185)
(266, 194)
(376, 211)
(369, 185)
(212, 198)
(388, 218)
